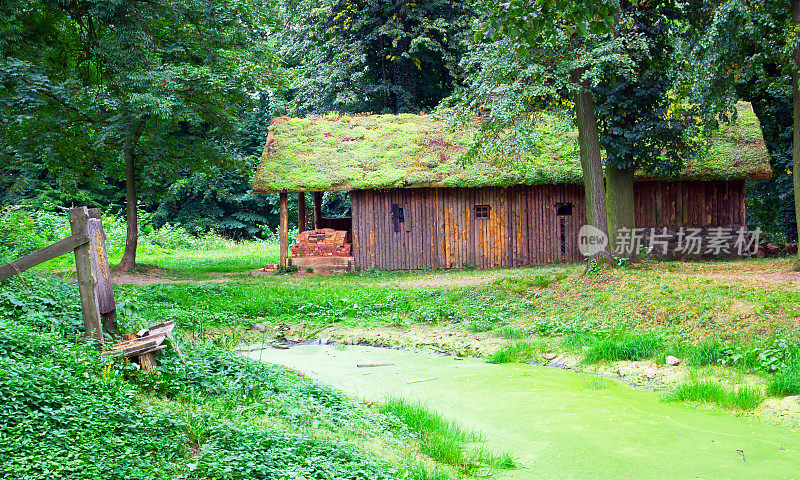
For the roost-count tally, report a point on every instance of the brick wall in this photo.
(324, 242)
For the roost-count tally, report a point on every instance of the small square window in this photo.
(563, 209)
(482, 211)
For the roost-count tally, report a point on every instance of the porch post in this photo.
(284, 229)
(301, 211)
(317, 209)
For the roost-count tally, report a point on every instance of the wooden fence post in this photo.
(301, 212)
(317, 210)
(284, 222)
(78, 221)
(101, 274)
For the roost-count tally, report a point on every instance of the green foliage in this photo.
(786, 381)
(287, 270)
(23, 231)
(709, 352)
(742, 398)
(267, 453)
(70, 415)
(511, 333)
(380, 56)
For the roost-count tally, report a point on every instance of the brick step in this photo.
(323, 264)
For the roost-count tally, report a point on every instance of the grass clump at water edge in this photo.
(742, 398)
(444, 440)
(786, 381)
(517, 352)
(624, 347)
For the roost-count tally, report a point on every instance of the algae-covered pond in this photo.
(554, 425)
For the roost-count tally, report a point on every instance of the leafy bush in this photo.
(23, 231)
(43, 303)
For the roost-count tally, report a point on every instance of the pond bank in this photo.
(559, 424)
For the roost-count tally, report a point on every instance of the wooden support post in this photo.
(284, 221)
(317, 209)
(78, 221)
(100, 272)
(301, 212)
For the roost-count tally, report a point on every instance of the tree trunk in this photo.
(591, 163)
(796, 124)
(619, 205)
(128, 261)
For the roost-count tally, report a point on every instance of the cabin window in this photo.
(482, 211)
(563, 209)
(397, 217)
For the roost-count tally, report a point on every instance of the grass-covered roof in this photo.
(395, 151)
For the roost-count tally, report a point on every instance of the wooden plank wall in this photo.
(690, 203)
(441, 231)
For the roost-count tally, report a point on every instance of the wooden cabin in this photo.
(416, 203)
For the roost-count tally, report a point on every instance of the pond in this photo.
(554, 423)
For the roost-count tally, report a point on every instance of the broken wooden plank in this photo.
(61, 247)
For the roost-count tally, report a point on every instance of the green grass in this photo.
(708, 352)
(442, 439)
(227, 257)
(511, 333)
(517, 352)
(786, 381)
(742, 398)
(624, 347)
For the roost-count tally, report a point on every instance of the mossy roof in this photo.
(401, 151)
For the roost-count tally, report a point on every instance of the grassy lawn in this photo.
(214, 256)
(677, 299)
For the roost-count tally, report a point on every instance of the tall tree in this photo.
(747, 48)
(133, 89)
(569, 46)
(644, 124)
(373, 56)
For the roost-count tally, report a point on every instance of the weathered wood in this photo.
(78, 220)
(62, 247)
(523, 226)
(301, 212)
(284, 229)
(147, 362)
(317, 209)
(103, 289)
